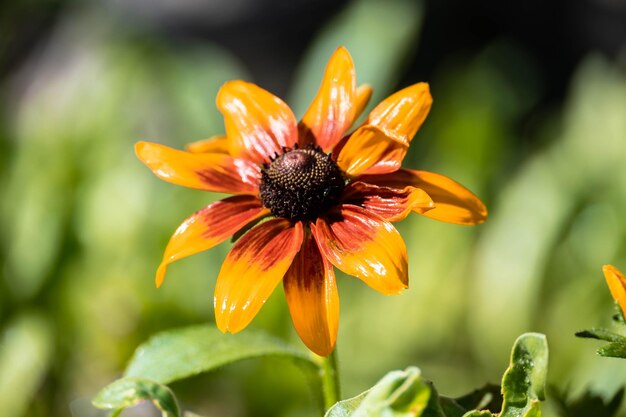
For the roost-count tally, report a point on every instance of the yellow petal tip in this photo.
(160, 275)
(139, 147)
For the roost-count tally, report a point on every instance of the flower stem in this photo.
(330, 380)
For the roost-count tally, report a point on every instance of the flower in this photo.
(312, 197)
(617, 285)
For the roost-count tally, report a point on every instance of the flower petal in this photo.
(214, 144)
(363, 96)
(380, 145)
(392, 204)
(369, 151)
(258, 124)
(363, 244)
(453, 202)
(251, 271)
(311, 292)
(400, 115)
(209, 227)
(333, 109)
(617, 285)
(209, 172)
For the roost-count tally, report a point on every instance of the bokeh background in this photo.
(529, 112)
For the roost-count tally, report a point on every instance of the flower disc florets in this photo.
(301, 184)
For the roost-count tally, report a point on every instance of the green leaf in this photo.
(441, 406)
(477, 413)
(523, 384)
(397, 394)
(127, 392)
(600, 334)
(181, 353)
(615, 349)
(345, 408)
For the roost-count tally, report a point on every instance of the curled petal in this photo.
(370, 151)
(363, 244)
(258, 124)
(251, 271)
(209, 172)
(214, 144)
(453, 202)
(333, 109)
(311, 292)
(400, 115)
(209, 227)
(392, 204)
(617, 285)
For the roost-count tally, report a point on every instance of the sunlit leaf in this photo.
(181, 353)
(397, 394)
(347, 407)
(127, 392)
(523, 384)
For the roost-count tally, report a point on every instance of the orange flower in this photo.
(617, 285)
(327, 198)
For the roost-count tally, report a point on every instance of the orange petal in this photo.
(400, 115)
(258, 124)
(363, 96)
(333, 109)
(617, 285)
(209, 227)
(392, 204)
(453, 202)
(214, 144)
(363, 244)
(251, 271)
(313, 300)
(370, 151)
(210, 172)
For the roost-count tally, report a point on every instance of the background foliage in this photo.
(535, 127)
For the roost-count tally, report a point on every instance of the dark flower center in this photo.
(301, 184)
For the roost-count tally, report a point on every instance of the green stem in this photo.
(330, 380)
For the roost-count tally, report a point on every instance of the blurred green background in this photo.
(529, 112)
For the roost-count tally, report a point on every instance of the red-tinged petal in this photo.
(209, 172)
(400, 115)
(617, 285)
(392, 204)
(214, 144)
(364, 245)
(363, 96)
(251, 271)
(311, 292)
(370, 151)
(258, 124)
(209, 227)
(333, 109)
(453, 202)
